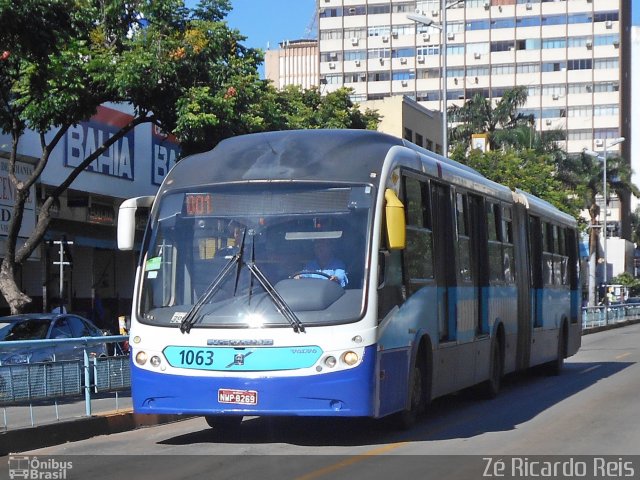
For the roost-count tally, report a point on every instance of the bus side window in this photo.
(418, 255)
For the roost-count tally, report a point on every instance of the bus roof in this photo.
(330, 155)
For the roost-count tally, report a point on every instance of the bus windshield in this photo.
(245, 255)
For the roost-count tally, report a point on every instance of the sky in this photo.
(266, 23)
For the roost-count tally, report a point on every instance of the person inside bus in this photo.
(327, 263)
(235, 230)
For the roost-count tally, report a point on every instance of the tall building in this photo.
(294, 63)
(572, 55)
(634, 146)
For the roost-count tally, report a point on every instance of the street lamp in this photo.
(607, 144)
(428, 22)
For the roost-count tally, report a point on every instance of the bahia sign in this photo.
(85, 138)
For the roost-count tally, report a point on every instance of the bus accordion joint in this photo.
(395, 221)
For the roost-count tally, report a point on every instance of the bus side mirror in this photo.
(394, 212)
(127, 220)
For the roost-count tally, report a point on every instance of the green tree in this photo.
(181, 69)
(501, 120)
(629, 281)
(526, 169)
(584, 175)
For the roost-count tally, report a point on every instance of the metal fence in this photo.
(594, 317)
(35, 385)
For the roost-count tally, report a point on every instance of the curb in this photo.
(42, 436)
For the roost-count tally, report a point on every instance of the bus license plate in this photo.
(241, 397)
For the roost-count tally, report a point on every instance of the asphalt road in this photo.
(589, 416)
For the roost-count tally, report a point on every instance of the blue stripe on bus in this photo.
(342, 393)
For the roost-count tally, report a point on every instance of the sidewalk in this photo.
(73, 424)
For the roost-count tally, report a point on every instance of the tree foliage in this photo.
(182, 69)
(501, 120)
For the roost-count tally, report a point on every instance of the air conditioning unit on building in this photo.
(357, 63)
(435, 13)
(363, 76)
(419, 12)
(354, 40)
(420, 58)
(548, 121)
(616, 44)
(381, 61)
(426, 37)
(404, 83)
(332, 65)
(555, 96)
(403, 60)
(477, 55)
(451, 36)
(385, 38)
(529, 6)
(589, 44)
(608, 24)
(599, 142)
(487, 5)
(333, 55)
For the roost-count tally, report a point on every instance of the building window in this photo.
(408, 134)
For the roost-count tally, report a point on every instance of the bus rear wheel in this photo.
(491, 387)
(555, 366)
(223, 421)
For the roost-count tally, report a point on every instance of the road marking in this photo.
(623, 355)
(591, 369)
(350, 461)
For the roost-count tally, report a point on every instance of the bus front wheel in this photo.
(417, 401)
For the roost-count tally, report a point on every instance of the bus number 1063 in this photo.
(197, 357)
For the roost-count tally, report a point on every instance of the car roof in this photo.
(30, 316)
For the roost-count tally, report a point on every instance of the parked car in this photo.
(40, 326)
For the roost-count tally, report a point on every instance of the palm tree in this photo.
(501, 121)
(584, 175)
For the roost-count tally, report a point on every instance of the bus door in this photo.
(523, 237)
(472, 255)
(445, 260)
(536, 236)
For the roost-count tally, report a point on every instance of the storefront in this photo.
(97, 279)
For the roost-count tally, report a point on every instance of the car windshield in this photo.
(30, 329)
(246, 255)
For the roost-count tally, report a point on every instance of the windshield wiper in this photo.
(191, 317)
(281, 305)
(238, 261)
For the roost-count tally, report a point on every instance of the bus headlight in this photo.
(350, 358)
(141, 358)
(330, 361)
(155, 361)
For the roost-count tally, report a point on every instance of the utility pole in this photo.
(62, 249)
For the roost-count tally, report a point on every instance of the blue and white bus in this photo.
(452, 280)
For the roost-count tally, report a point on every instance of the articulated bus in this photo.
(450, 280)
